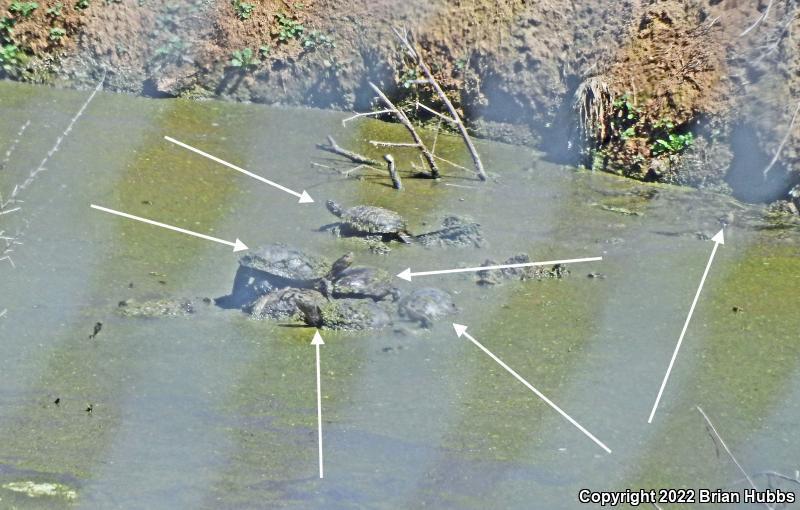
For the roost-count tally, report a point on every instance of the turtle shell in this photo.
(362, 282)
(426, 305)
(290, 264)
(371, 219)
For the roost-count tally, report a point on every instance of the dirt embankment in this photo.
(700, 92)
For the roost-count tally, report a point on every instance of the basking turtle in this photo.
(362, 282)
(350, 314)
(456, 231)
(426, 305)
(368, 220)
(270, 267)
(284, 303)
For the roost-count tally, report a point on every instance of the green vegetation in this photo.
(244, 10)
(316, 39)
(10, 57)
(55, 10)
(673, 144)
(173, 48)
(57, 33)
(265, 50)
(24, 9)
(667, 140)
(82, 4)
(244, 59)
(288, 28)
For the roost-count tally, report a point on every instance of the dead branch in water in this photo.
(365, 114)
(758, 20)
(443, 97)
(401, 116)
(728, 451)
(13, 145)
(398, 185)
(352, 156)
(783, 142)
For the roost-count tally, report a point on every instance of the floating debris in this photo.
(40, 489)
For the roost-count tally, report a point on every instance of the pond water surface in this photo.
(219, 411)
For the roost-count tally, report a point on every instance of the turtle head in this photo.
(342, 263)
(334, 208)
(311, 313)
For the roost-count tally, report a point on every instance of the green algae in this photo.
(230, 404)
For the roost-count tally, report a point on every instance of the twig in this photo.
(759, 20)
(352, 156)
(14, 143)
(453, 164)
(9, 211)
(431, 110)
(380, 143)
(728, 451)
(401, 116)
(398, 185)
(436, 137)
(783, 142)
(365, 114)
(54, 149)
(443, 97)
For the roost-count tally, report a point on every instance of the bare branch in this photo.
(443, 97)
(401, 116)
(3, 313)
(452, 164)
(352, 156)
(759, 20)
(8, 211)
(783, 142)
(365, 114)
(728, 451)
(379, 143)
(430, 110)
(396, 182)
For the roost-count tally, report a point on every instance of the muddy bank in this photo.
(688, 92)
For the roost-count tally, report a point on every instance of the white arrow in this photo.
(718, 239)
(316, 342)
(304, 196)
(461, 330)
(237, 245)
(407, 274)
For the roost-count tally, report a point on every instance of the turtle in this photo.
(427, 304)
(456, 231)
(347, 314)
(283, 303)
(362, 282)
(271, 267)
(367, 220)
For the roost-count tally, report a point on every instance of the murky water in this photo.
(219, 411)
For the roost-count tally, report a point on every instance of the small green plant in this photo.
(627, 107)
(244, 59)
(174, 47)
(409, 78)
(288, 28)
(82, 4)
(673, 144)
(10, 57)
(316, 39)
(628, 133)
(460, 64)
(265, 50)
(243, 10)
(24, 9)
(57, 33)
(7, 29)
(55, 10)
